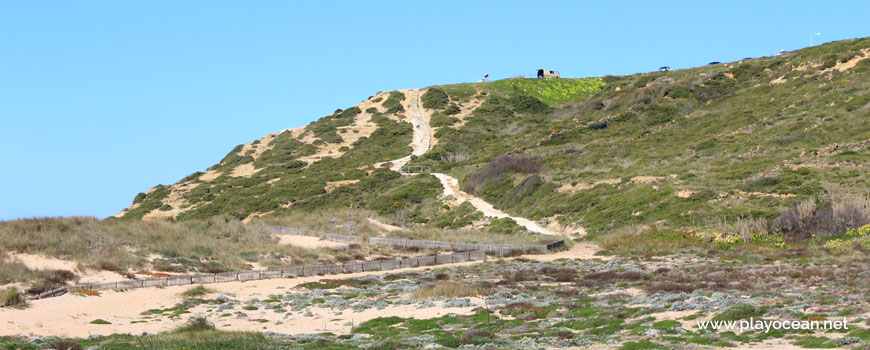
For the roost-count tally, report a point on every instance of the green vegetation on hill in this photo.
(697, 148)
(684, 148)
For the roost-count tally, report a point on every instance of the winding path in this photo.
(421, 144)
(71, 314)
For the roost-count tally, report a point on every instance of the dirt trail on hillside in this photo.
(451, 188)
(422, 143)
(422, 139)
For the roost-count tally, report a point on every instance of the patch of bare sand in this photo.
(331, 185)
(209, 175)
(175, 200)
(385, 226)
(843, 66)
(451, 189)
(70, 315)
(307, 241)
(585, 186)
(244, 170)
(684, 193)
(638, 180)
(362, 126)
(39, 262)
(421, 141)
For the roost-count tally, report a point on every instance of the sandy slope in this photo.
(422, 139)
(451, 188)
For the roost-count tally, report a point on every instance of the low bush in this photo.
(679, 92)
(65, 345)
(11, 297)
(197, 291)
(503, 164)
(808, 219)
(450, 289)
(597, 125)
(451, 109)
(393, 103)
(197, 324)
(434, 98)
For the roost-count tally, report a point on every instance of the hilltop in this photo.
(667, 200)
(697, 147)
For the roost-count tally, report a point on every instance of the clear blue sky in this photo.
(100, 100)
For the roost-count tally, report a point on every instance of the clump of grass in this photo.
(450, 289)
(196, 324)
(65, 345)
(336, 283)
(100, 321)
(216, 243)
(197, 291)
(11, 297)
(738, 312)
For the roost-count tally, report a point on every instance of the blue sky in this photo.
(100, 100)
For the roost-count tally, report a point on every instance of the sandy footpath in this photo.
(451, 188)
(421, 141)
(70, 315)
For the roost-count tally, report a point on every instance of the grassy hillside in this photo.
(694, 147)
(705, 147)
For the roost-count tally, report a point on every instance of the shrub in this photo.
(717, 86)
(838, 246)
(393, 103)
(597, 125)
(434, 98)
(738, 312)
(451, 109)
(65, 345)
(527, 104)
(11, 297)
(679, 92)
(440, 119)
(197, 291)
(196, 324)
(50, 279)
(450, 289)
(503, 164)
(805, 219)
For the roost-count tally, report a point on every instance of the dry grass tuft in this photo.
(86, 292)
(450, 289)
(11, 297)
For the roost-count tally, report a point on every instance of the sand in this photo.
(384, 226)
(307, 241)
(39, 262)
(70, 315)
(420, 143)
(451, 188)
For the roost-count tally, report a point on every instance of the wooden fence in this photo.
(496, 248)
(290, 272)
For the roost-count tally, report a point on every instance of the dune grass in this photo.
(450, 289)
(12, 297)
(197, 291)
(212, 245)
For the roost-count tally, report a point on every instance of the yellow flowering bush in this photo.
(838, 246)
